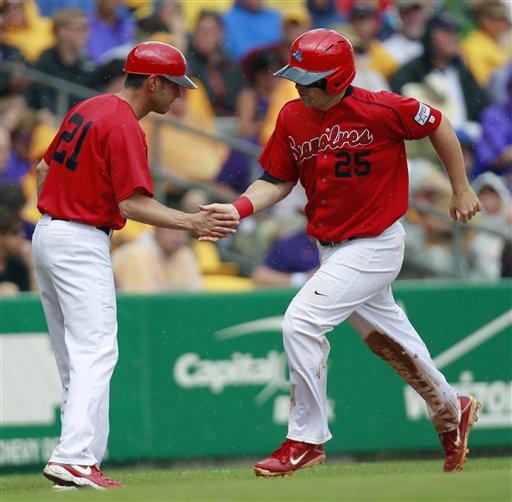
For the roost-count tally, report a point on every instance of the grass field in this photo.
(486, 479)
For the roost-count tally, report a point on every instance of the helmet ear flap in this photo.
(333, 86)
(340, 80)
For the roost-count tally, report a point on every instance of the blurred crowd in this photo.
(453, 54)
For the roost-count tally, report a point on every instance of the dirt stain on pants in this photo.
(445, 415)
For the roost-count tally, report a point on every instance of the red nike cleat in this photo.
(79, 475)
(455, 442)
(290, 457)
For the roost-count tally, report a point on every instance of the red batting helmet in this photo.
(319, 54)
(157, 58)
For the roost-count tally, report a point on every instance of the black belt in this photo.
(335, 243)
(105, 230)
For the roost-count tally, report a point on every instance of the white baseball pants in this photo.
(76, 285)
(353, 283)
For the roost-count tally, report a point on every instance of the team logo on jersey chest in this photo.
(335, 139)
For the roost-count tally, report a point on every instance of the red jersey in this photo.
(97, 159)
(350, 159)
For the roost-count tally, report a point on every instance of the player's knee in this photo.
(297, 323)
(287, 325)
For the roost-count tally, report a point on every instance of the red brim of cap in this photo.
(300, 76)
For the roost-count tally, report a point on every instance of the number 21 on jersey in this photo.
(71, 162)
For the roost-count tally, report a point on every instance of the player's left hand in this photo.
(212, 226)
(224, 211)
(464, 205)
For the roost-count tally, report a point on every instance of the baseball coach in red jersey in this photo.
(346, 146)
(95, 175)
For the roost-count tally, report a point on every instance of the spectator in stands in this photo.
(167, 17)
(429, 240)
(17, 162)
(249, 25)
(494, 151)
(11, 83)
(181, 154)
(324, 13)
(497, 88)
(291, 261)
(486, 249)
(5, 147)
(366, 76)
(364, 23)
(110, 26)
(442, 73)
(295, 23)
(23, 27)
(468, 146)
(15, 255)
(485, 48)
(66, 60)
(506, 260)
(157, 261)
(110, 76)
(252, 106)
(13, 199)
(48, 8)
(405, 44)
(207, 61)
(460, 10)
(253, 101)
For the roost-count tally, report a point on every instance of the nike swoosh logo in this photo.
(295, 461)
(85, 471)
(319, 294)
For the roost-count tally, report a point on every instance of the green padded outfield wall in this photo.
(204, 375)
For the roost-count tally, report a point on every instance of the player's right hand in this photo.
(228, 209)
(224, 210)
(212, 226)
(464, 205)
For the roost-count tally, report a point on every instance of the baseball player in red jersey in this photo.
(346, 146)
(93, 177)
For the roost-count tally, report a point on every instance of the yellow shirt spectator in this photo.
(284, 91)
(381, 60)
(184, 153)
(157, 261)
(483, 55)
(191, 9)
(26, 29)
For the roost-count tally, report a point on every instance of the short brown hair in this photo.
(65, 17)
(492, 9)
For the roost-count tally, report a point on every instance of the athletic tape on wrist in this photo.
(244, 206)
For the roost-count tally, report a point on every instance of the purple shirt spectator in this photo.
(236, 172)
(496, 121)
(16, 168)
(104, 36)
(296, 253)
(247, 29)
(324, 13)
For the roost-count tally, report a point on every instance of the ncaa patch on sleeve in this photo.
(423, 114)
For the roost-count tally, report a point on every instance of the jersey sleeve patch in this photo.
(423, 114)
